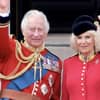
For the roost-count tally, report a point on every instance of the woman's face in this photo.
(85, 43)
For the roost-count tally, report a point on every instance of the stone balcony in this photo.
(60, 45)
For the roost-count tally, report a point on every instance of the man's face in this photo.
(34, 33)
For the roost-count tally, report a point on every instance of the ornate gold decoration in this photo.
(87, 58)
(31, 59)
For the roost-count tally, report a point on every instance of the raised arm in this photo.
(4, 23)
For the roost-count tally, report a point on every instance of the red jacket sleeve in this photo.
(56, 90)
(57, 85)
(64, 94)
(4, 41)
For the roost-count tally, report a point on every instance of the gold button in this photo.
(82, 84)
(34, 93)
(82, 74)
(84, 63)
(84, 67)
(82, 89)
(35, 89)
(83, 94)
(82, 78)
(83, 71)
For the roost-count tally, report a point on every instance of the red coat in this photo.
(8, 62)
(81, 81)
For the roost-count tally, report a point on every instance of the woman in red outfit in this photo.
(81, 72)
(28, 70)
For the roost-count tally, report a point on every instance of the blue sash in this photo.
(25, 80)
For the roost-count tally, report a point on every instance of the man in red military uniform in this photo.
(28, 71)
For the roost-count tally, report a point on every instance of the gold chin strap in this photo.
(86, 58)
(31, 59)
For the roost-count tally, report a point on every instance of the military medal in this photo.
(44, 89)
(50, 80)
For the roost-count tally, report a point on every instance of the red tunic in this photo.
(8, 63)
(81, 81)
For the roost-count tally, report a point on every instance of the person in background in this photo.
(28, 70)
(97, 23)
(81, 72)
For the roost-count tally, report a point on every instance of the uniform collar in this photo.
(39, 49)
(87, 58)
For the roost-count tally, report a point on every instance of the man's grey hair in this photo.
(35, 13)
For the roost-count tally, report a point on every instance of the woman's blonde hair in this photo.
(96, 37)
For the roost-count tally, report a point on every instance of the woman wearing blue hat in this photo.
(81, 72)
